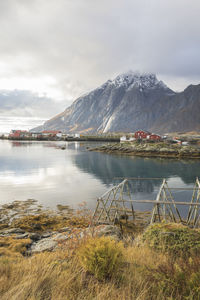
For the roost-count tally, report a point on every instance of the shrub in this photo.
(173, 238)
(102, 257)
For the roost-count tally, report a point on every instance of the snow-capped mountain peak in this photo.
(130, 102)
(142, 80)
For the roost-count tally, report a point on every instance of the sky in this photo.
(62, 49)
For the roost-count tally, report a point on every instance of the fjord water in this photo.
(42, 171)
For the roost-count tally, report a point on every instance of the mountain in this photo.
(130, 102)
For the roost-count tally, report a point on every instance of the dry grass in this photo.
(58, 275)
(146, 273)
(9, 246)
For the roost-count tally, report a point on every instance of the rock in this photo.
(43, 245)
(13, 231)
(60, 237)
(149, 149)
(48, 243)
(22, 236)
(46, 235)
(34, 236)
(109, 230)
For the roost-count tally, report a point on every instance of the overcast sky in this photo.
(64, 48)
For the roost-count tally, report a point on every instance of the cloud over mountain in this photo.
(68, 47)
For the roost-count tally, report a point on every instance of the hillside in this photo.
(130, 102)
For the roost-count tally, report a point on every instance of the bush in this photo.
(173, 238)
(102, 257)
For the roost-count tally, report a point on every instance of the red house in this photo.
(155, 137)
(141, 134)
(18, 134)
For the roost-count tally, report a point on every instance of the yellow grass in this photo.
(58, 275)
(9, 246)
(145, 274)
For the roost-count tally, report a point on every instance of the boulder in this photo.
(108, 230)
(43, 245)
(48, 243)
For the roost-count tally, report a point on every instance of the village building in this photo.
(154, 137)
(123, 139)
(36, 135)
(51, 133)
(59, 134)
(15, 134)
(141, 134)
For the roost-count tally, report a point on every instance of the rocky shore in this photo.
(27, 228)
(146, 149)
(47, 254)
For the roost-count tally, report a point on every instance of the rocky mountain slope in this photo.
(130, 102)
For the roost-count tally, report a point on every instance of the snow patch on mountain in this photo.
(132, 79)
(109, 123)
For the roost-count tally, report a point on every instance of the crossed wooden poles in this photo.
(113, 205)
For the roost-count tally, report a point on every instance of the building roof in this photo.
(51, 131)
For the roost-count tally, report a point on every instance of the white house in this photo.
(59, 134)
(123, 139)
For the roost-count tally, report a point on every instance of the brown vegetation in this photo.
(143, 271)
(43, 222)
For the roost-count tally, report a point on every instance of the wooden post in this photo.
(155, 209)
(170, 194)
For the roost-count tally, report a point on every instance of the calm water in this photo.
(42, 171)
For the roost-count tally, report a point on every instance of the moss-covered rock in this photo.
(43, 222)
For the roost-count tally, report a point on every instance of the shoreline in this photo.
(82, 139)
(163, 150)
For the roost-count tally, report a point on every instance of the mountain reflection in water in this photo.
(41, 170)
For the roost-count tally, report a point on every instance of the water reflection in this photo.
(107, 167)
(41, 170)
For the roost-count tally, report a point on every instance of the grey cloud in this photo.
(27, 104)
(82, 43)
